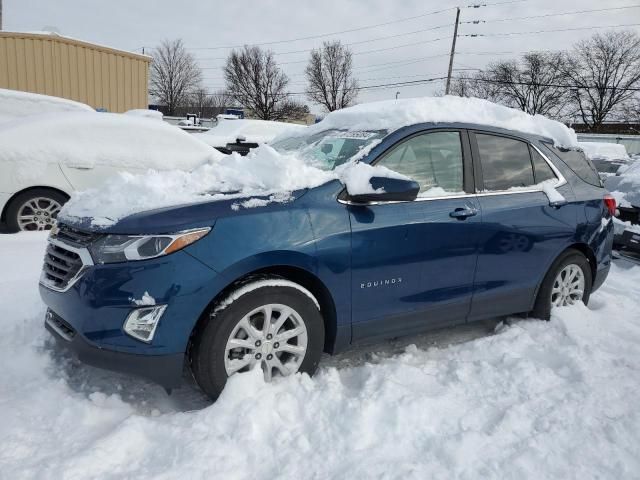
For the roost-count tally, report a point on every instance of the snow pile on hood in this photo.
(605, 151)
(533, 400)
(88, 140)
(15, 104)
(394, 114)
(263, 172)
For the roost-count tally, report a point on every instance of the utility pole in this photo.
(453, 50)
(0, 15)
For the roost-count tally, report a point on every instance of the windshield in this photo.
(329, 148)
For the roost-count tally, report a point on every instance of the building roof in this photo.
(73, 41)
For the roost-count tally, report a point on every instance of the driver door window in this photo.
(434, 160)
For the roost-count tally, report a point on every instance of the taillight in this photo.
(610, 203)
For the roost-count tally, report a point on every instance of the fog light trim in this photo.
(142, 323)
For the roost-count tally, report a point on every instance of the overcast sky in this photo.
(205, 25)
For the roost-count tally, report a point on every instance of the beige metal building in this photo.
(50, 64)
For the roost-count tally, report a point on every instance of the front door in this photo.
(413, 262)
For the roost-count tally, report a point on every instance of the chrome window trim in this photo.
(85, 257)
(561, 181)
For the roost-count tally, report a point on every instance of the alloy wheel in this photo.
(568, 287)
(273, 335)
(38, 214)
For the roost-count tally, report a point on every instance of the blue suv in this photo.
(482, 222)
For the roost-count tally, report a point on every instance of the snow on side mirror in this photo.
(386, 189)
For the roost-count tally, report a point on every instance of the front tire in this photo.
(270, 323)
(567, 282)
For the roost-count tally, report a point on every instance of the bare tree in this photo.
(174, 74)
(201, 99)
(631, 110)
(603, 70)
(256, 82)
(534, 84)
(330, 76)
(221, 100)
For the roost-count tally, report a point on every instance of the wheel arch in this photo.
(583, 248)
(3, 215)
(293, 273)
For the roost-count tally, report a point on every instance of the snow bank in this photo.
(394, 114)
(101, 139)
(605, 151)
(15, 104)
(538, 400)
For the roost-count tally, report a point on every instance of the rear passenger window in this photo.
(577, 161)
(505, 162)
(541, 168)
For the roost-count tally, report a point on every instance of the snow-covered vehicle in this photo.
(46, 157)
(229, 135)
(625, 187)
(15, 105)
(382, 220)
(606, 157)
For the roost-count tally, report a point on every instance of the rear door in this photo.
(413, 262)
(521, 232)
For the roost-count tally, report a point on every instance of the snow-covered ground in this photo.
(526, 400)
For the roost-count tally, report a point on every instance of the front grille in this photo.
(74, 236)
(60, 266)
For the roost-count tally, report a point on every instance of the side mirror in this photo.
(241, 138)
(387, 190)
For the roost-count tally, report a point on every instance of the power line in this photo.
(311, 37)
(479, 5)
(575, 12)
(348, 44)
(579, 87)
(547, 31)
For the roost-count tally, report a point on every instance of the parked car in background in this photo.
(606, 157)
(421, 225)
(44, 158)
(625, 187)
(15, 105)
(229, 135)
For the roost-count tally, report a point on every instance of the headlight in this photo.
(122, 248)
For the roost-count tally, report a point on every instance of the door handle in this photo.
(462, 213)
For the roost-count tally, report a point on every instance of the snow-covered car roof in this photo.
(391, 115)
(15, 104)
(90, 138)
(604, 151)
(255, 131)
(144, 112)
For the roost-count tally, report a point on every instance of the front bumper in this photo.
(166, 370)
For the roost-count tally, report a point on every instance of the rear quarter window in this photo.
(578, 162)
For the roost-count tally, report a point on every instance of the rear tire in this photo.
(552, 289)
(234, 338)
(35, 209)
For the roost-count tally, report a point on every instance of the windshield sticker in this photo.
(356, 134)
